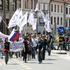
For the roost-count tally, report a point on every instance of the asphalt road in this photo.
(53, 62)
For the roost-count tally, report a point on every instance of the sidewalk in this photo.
(59, 52)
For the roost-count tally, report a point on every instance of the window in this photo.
(51, 7)
(57, 20)
(31, 4)
(66, 10)
(14, 5)
(41, 6)
(28, 4)
(61, 9)
(7, 4)
(57, 8)
(61, 20)
(66, 23)
(35, 3)
(69, 22)
(51, 20)
(19, 3)
(1, 4)
(69, 10)
(46, 7)
(54, 8)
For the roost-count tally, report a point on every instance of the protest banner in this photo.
(17, 46)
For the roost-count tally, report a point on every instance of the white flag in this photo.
(48, 26)
(31, 20)
(37, 7)
(15, 18)
(11, 34)
(34, 26)
(0, 18)
(22, 21)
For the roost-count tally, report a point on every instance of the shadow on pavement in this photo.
(47, 63)
(52, 59)
(12, 64)
(31, 62)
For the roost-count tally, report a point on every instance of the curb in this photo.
(59, 52)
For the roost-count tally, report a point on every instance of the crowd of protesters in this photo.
(38, 44)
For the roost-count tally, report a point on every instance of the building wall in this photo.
(57, 12)
(6, 11)
(44, 1)
(27, 5)
(68, 15)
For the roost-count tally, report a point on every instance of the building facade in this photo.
(57, 10)
(7, 8)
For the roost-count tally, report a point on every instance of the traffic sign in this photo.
(61, 30)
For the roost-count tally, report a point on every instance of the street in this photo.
(53, 62)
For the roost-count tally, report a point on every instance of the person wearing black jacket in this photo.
(44, 43)
(6, 50)
(26, 49)
(40, 50)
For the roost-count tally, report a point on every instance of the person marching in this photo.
(25, 50)
(40, 48)
(6, 50)
(49, 41)
(44, 47)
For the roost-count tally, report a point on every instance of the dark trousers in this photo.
(40, 56)
(49, 49)
(60, 46)
(33, 52)
(43, 53)
(25, 56)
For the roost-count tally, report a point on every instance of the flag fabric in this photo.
(0, 18)
(34, 25)
(31, 20)
(15, 18)
(46, 19)
(14, 36)
(22, 21)
(47, 26)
